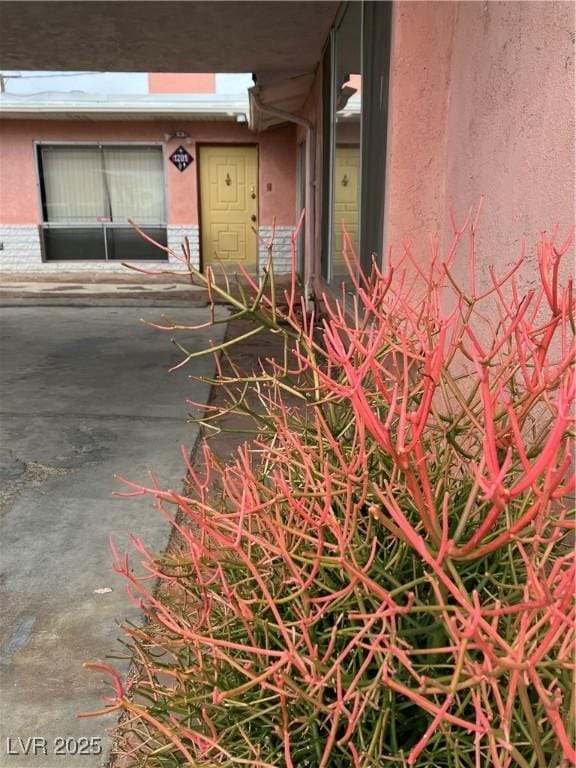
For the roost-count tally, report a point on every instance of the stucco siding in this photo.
(481, 105)
(422, 35)
(510, 127)
(20, 203)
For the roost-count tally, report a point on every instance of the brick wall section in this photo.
(21, 252)
(282, 251)
(176, 237)
(20, 248)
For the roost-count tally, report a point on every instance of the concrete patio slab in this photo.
(88, 293)
(84, 393)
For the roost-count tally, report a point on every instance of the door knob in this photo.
(253, 217)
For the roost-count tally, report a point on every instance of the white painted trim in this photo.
(105, 143)
(209, 106)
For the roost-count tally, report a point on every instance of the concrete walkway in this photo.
(85, 393)
(99, 290)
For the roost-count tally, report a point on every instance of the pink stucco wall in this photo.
(181, 82)
(482, 104)
(19, 197)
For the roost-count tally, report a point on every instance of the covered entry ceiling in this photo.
(210, 36)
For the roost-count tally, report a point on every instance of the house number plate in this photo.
(181, 158)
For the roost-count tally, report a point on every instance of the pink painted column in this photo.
(481, 104)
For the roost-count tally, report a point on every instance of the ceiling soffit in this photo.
(164, 36)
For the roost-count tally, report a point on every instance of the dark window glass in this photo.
(127, 245)
(75, 244)
(326, 158)
(375, 67)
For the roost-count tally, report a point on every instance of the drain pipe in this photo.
(309, 191)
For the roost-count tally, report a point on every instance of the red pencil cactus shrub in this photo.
(386, 576)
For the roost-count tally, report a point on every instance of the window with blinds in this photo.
(89, 194)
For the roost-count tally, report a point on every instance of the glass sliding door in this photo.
(376, 23)
(89, 194)
(346, 127)
(355, 75)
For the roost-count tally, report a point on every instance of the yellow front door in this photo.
(346, 204)
(229, 206)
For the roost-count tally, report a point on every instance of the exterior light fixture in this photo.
(176, 135)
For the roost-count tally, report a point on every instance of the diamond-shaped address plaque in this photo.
(181, 158)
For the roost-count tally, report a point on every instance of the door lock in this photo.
(253, 217)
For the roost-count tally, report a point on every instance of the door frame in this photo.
(252, 144)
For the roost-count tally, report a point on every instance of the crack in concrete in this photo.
(34, 476)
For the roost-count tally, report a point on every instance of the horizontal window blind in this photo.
(134, 180)
(88, 185)
(73, 185)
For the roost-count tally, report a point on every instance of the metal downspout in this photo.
(309, 193)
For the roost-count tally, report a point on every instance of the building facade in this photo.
(379, 116)
(174, 155)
